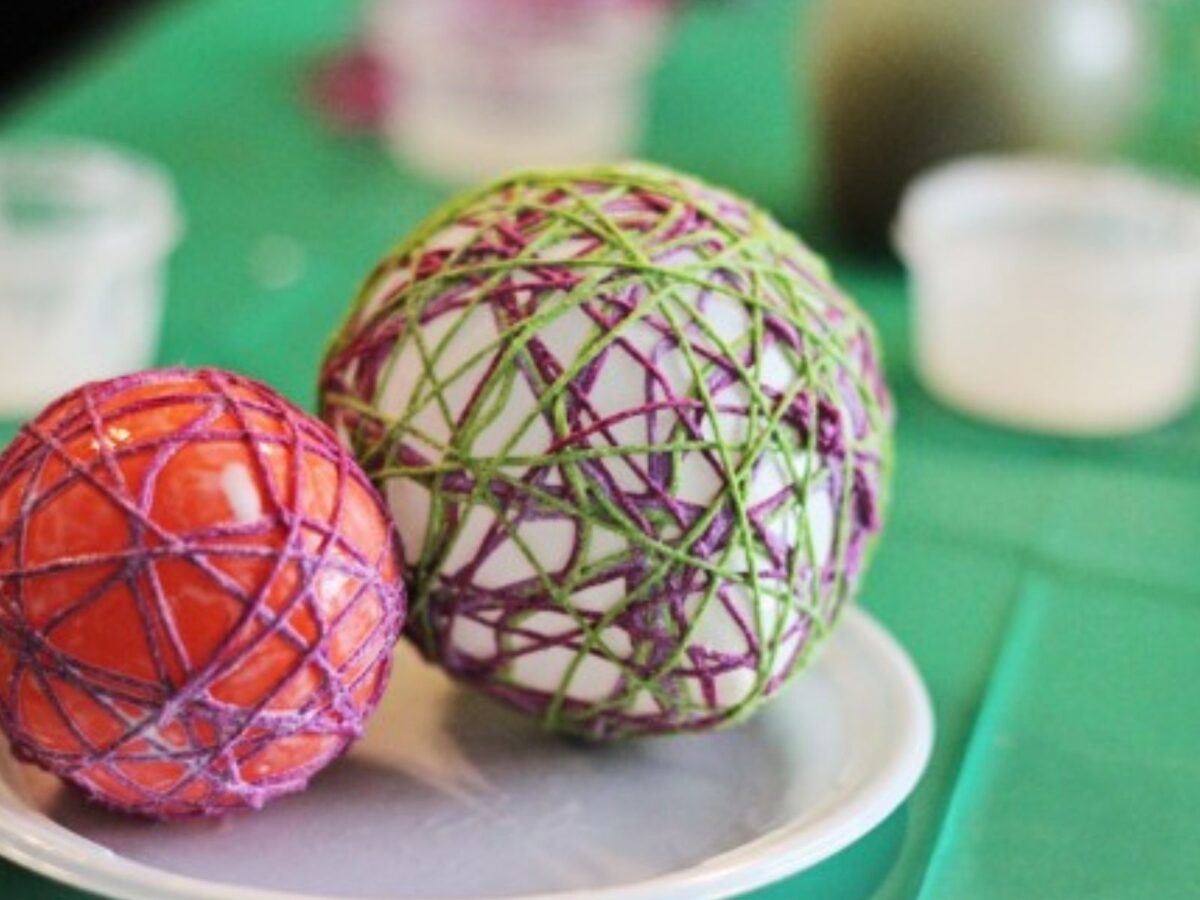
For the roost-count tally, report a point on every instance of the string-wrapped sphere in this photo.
(199, 593)
(635, 440)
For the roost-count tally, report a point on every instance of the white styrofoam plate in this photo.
(449, 795)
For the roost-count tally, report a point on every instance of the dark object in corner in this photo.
(38, 35)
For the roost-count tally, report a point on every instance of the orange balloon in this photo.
(199, 593)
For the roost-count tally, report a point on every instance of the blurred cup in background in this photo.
(900, 85)
(1061, 297)
(85, 231)
(480, 87)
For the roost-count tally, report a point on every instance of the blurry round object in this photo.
(480, 87)
(635, 439)
(199, 593)
(934, 79)
(1055, 296)
(85, 231)
(350, 90)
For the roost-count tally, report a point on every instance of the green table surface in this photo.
(1048, 590)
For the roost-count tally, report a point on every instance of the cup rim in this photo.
(941, 202)
(399, 31)
(143, 221)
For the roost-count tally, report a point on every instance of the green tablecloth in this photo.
(1048, 590)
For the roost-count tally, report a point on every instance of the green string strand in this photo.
(639, 254)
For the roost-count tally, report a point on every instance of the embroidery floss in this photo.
(635, 440)
(199, 593)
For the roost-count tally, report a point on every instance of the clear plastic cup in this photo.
(481, 87)
(84, 234)
(1054, 296)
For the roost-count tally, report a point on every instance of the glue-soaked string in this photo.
(648, 259)
(179, 743)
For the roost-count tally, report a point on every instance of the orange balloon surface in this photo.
(199, 593)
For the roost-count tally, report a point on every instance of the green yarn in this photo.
(627, 354)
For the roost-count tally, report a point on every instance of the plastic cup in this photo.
(1054, 296)
(84, 234)
(481, 87)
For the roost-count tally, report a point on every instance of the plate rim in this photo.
(764, 860)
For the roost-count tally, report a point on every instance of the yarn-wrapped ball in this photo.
(635, 440)
(199, 593)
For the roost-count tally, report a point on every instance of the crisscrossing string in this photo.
(634, 438)
(199, 593)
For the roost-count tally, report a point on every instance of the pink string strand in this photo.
(207, 747)
(643, 257)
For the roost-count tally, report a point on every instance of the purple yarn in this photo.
(617, 248)
(193, 712)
